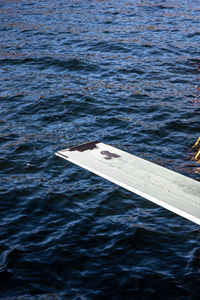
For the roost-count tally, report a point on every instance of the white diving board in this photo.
(162, 186)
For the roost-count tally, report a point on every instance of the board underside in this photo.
(162, 186)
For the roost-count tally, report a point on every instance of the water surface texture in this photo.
(123, 72)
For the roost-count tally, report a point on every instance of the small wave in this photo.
(105, 46)
(43, 63)
(38, 297)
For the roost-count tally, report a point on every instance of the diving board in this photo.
(162, 186)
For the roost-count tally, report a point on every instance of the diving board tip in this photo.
(171, 190)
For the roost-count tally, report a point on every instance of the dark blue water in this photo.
(123, 72)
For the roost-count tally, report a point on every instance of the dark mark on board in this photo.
(109, 155)
(84, 147)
